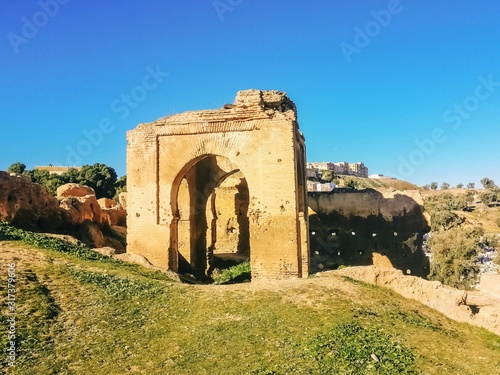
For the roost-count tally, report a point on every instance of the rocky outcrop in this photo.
(81, 209)
(76, 211)
(28, 205)
(91, 215)
(478, 308)
(74, 190)
(113, 213)
(80, 205)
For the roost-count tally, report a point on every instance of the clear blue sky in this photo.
(371, 79)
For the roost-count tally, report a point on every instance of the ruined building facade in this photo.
(226, 181)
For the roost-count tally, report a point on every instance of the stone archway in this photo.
(200, 199)
(182, 171)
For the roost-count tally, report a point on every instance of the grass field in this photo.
(81, 316)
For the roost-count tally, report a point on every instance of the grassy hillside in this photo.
(374, 183)
(94, 316)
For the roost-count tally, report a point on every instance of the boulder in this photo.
(74, 190)
(114, 216)
(80, 209)
(107, 203)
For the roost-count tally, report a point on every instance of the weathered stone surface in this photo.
(107, 203)
(74, 190)
(27, 205)
(81, 209)
(452, 302)
(175, 164)
(490, 284)
(122, 198)
(121, 230)
(91, 234)
(364, 227)
(114, 216)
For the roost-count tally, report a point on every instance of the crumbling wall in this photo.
(365, 227)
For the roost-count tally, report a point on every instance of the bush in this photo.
(454, 255)
(238, 273)
(17, 168)
(352, 349)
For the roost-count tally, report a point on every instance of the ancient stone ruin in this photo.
(226, 182)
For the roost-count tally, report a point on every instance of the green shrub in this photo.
(238, 273)
(351, 349)
(454, 255)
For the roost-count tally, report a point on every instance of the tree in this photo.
(486, 197)
(120, 186)
(445, 220)
(471, 185)
(454, 255)
(426, 187)
(72, 175)
(445, 186)
(434, 185)
(351, 183)
(460, 185)
(43, 177)
(487, 183)
(100, 177)
(327, 176)
(18, 168)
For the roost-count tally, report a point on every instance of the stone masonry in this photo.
(229, 180)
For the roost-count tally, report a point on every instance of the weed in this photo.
(238, 273)
(349, 348)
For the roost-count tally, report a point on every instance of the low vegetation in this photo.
(455, 242)
(233, 274)
(349, 349)
(454, 256)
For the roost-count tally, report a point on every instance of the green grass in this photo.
(351, 349)
(81, 316)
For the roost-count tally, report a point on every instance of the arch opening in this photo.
(210, 202)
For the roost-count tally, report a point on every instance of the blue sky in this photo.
(409, 87)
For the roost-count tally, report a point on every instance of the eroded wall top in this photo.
(248, 105)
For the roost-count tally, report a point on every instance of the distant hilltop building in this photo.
(343, 168)
(55, 169)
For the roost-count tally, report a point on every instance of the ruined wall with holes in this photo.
(230, 181)
(364, 227)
